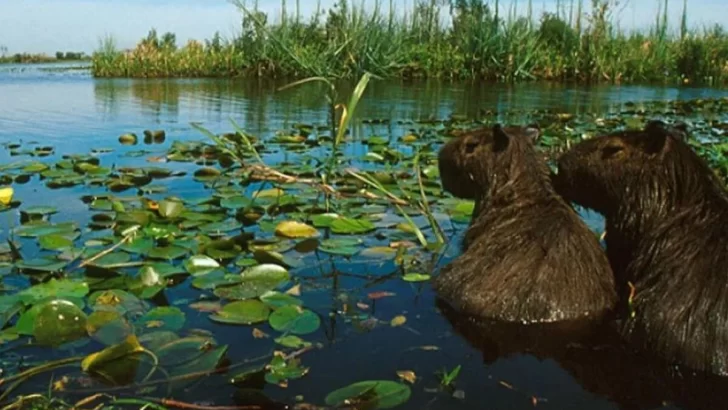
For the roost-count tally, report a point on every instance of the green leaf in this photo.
(163, 318)
(59, 321)
(294, 319)
(200, 265)
(416, 277)
(375, 394)
(293, 229)
(170, 209)
(245, 312)
(294, 342)
(98, 360)
(345, 225)
(54, 242)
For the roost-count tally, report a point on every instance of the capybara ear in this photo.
(656, 137)
(532, 132)
(501, 139)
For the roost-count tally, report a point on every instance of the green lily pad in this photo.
(294, 319)
(59, 321)
(293, 229)
(170, 209)
(294, 342)
(40, 210)
(277, 299)
(200, 265)
(245, 312)
(54, 242)
(62, 289)
(375, 394)
(167, 252)
(345, 225)
(416, 277)
(163, 318)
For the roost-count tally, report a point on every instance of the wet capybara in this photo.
(527, 256)
(666, 217)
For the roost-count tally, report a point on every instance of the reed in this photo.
(465, 39)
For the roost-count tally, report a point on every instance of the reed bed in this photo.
(466, 39)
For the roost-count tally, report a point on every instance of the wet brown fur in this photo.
(527, 256)
(667, 234)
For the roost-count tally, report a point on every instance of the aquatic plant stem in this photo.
(22, 376)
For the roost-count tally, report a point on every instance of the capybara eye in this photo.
(611, 150)
(470, 147)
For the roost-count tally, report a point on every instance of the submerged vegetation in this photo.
(232, 268)
(575, 42)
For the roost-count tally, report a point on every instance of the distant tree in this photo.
(216, 43)
(59, 55)
(169, 41)
(3, 51)
(152, 39)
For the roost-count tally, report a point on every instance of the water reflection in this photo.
(594, 357)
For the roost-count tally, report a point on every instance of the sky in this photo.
(47, 26)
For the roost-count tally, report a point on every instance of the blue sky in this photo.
(77, 25)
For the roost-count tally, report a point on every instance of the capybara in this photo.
(666, 217)
(527, 255)
(592, 353)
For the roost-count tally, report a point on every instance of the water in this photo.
(74, 113)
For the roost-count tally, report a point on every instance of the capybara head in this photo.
(604, 172)
(473, 163)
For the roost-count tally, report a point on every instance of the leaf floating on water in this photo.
(345, 225)
(6, 195)
(398, 321)
(380, 295)
(170, 209)
(294, 291)
(415, 277)
(198, 265)
(407, 375)
(375, 394)
(294, 319)
(163, 318)
(293, 229)
(58, 322)
(245, 312)
(128, 139)
(293, 342)
(96, 361)
(259, 334)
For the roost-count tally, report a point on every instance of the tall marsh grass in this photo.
(463, 39)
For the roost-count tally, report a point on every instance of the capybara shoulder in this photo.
(527, 257)
(666, 235)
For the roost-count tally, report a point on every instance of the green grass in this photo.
(578, 42)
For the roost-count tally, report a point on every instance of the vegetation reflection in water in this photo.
(126, 306)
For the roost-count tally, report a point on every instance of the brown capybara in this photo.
(666, 217)
(527, 256)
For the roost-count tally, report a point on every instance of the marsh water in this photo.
(74, 113)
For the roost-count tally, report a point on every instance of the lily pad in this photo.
(163, 318)
(200, 265)
(345, 225)
(59, 321)
(245, 312)
(375, 394)
(295, 320)
(293, 229)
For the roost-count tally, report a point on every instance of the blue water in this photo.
(75, 113)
